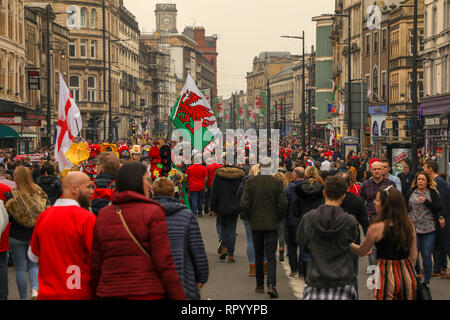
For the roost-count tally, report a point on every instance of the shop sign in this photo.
(11, 120)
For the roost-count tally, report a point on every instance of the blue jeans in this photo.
(4, 275)
(425, 245)
(195, 198)
(19, 251)
(218, 228)
(228, 228)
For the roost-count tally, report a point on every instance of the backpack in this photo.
(104, 193)
(53, 190)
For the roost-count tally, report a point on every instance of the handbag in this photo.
(119, 213)
(422, 291)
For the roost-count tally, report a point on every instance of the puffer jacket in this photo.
(224, 191)
(119, 268)
(186, 244)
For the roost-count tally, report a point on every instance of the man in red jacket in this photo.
(62, 242)
(4, 248)
(196, 176)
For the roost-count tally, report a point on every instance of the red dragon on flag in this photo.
(188, 110)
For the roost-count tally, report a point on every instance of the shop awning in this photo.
(445, 114)
(16, 132)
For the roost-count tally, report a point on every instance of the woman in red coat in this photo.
(123, 268)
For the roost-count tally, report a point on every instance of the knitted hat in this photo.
(372, 161)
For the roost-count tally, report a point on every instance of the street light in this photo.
(349, 62)
(303, 85)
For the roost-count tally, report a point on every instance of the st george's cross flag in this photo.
(193, 113)
(69, 125)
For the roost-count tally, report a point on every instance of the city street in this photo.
(231, 281)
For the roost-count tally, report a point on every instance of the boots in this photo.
(265, 267)
(281, 255)
(224, 253)
(252, 272)
(231, 259)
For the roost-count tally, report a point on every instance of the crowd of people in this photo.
(124, 224)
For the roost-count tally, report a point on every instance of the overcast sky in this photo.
(244, 29)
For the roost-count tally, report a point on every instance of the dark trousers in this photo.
(355, 259)
(441, 251)
(292, 248)
(265, 242)
(196, 202)
(228, 230)
(4, 275)
(207, 199)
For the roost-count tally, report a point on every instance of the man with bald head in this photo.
(62, 242)
(369, 190)
(292, 221)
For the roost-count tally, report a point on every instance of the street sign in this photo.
(34, 79)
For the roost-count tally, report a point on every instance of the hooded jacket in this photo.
(291, 217)
(118, 267)
(186, 244)
(326, 233)
(224, 191)
(309, 197)
(102, 181)
(52, 186)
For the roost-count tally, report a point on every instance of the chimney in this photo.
(199, 35)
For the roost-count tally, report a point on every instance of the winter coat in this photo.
(354, 205)
(309, 196)
(224, 197)
(52, 186)
(326, 233)
(263, 203)
(406, 182)
(119, 268)
(292, 218)
(102, 181)
(186, 244)
(240, 192)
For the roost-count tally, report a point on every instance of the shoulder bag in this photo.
(119, 213)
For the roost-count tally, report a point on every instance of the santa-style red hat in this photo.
(372, 161)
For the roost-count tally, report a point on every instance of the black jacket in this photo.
(406, 180)
(354, 205)
(102, 181)
(309, 197)
(224, 191)
(435, 206)
(52, 186)
(326, 233)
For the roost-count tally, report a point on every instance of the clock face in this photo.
(167, 20)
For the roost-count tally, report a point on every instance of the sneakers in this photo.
(272, 291)
(259, 289)
(224, 254)
(436, 275)
(293, 274)
(34, 294)
(265, 267)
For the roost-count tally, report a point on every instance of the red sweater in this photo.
(119, 268)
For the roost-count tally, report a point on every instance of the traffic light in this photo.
(133, 127)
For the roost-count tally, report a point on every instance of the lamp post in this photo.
(349, 67)
(303, 85)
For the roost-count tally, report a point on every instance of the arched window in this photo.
(375, 81)
(72, 20)
(74, 87)
(91, 88)
(375, 129)
(93, 17)
(384, 131)
(83, 17)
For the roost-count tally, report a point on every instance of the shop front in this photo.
(17, 137)
(379, 133)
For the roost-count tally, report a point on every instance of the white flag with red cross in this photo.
(69, 125)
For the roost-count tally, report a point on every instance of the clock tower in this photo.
(166, 17)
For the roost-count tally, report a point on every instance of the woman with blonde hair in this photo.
(312, 175)
(289, 177)
(424, 206)
(24, 205)
(281, 230)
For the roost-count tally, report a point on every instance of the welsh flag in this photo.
(218, 107)
(248, 113)
(335, 88)
(240, 111)
(192, 107)
(261, 102)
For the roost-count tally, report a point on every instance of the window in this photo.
(93, 16)
(74, 87)
(425, 22)
(83, 17)
(384, 40)
(93, 45)
(375, 81)
(375, 41)
(72, 49)
(367, 44)
(73, 17)
(395, 128)
(91, 88)
(421, 40)
(383, 84)
(83, 48)
(434, 21)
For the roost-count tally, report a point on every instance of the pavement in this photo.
(230, 281)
